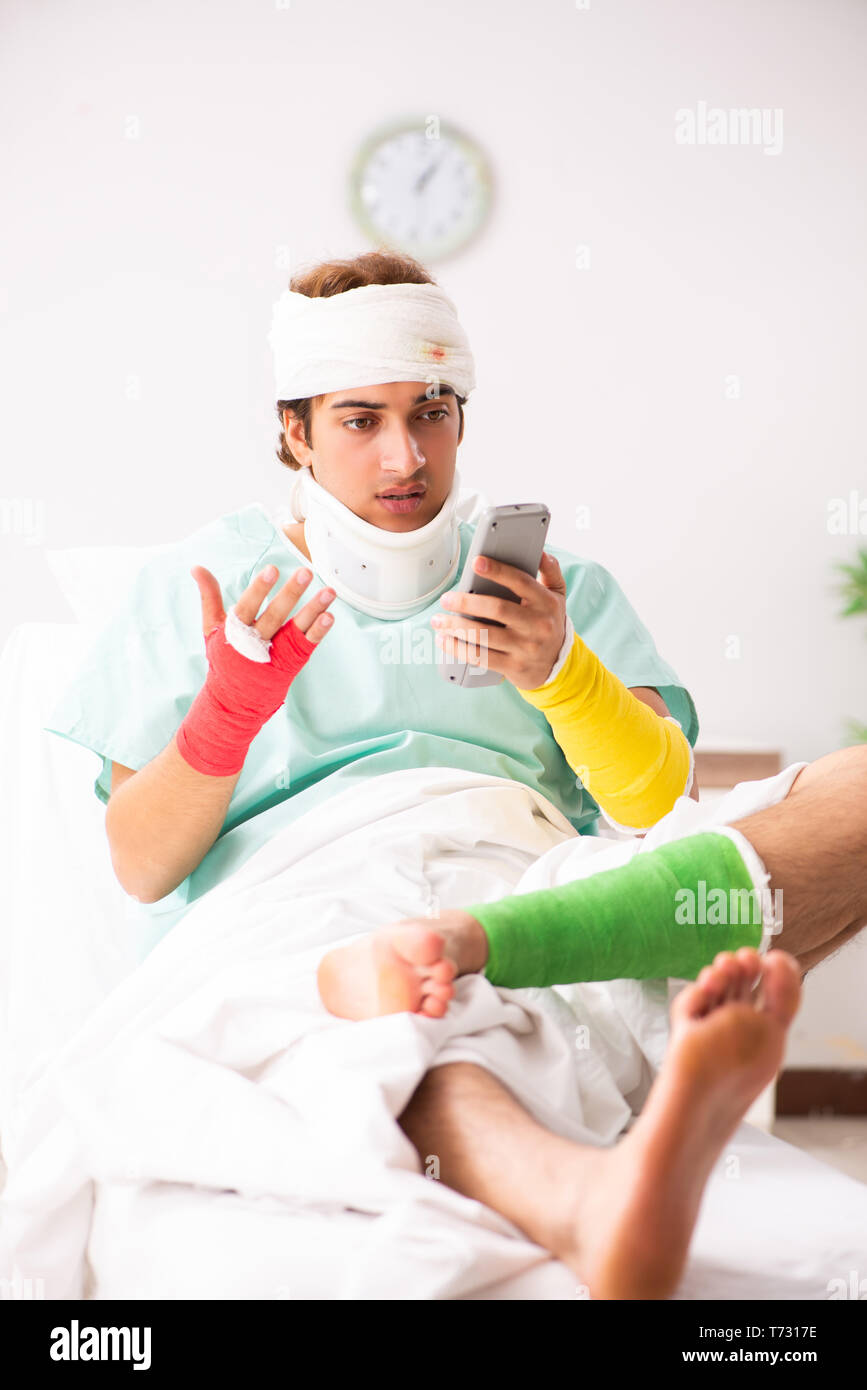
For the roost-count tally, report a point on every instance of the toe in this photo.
(729, 973)
(431, 989)
(745, 969)
(711, 984)
(750, 963)
(693, 1001)
(433, 1008)
(443, 971)
(417, 944)
(781, 985)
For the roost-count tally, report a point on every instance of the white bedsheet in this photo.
(208, 1130)
(215, 1064)
(774, 1224)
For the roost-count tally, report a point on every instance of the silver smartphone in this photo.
(514, 535)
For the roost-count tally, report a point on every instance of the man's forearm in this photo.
(649, 695)
(633, 762)
(162, 821)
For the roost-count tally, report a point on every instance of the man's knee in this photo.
(809, 959)
(841, 766)
(856, 761)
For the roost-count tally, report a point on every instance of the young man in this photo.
(586, 706)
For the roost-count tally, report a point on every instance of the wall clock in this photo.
(420, 186)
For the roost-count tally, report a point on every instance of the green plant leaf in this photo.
(853, 589)
(856, 733)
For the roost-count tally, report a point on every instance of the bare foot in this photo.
(637, 1203)
(406, 967)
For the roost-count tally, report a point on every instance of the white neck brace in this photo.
(386, 574)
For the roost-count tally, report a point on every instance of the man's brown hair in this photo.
(335, 277)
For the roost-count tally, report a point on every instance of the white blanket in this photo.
(214, 1070)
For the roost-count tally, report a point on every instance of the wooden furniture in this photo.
(717, 767)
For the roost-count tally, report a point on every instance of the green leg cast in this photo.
(667, 912)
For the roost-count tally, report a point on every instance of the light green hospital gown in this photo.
(370, 700)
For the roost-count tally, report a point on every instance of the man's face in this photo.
(372, 440)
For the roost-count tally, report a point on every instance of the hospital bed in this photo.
(775, 1222)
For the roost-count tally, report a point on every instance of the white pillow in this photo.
(88, 574)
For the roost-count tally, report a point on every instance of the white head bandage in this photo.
(367, 336)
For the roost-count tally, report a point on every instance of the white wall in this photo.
(156, 258)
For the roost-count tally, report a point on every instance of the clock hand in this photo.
(426, 175)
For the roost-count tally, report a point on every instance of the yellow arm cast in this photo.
(633, 763)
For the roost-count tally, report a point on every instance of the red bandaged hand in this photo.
(238, 697)
(240, 694)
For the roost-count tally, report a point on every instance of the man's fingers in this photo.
(312, 619)
(309, 620)
(462, 608)
(510, 576)
(454, 647)
(318, 625)
(211, 597)
(552, 574)
(477, 634)
(256, 593)
(280, 607)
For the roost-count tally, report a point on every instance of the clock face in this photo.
(420, 187)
